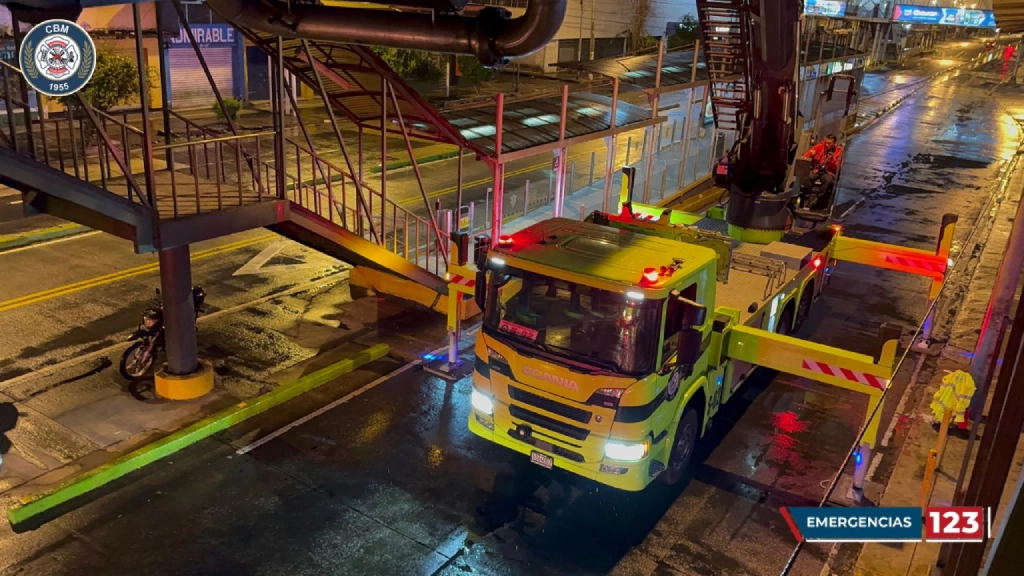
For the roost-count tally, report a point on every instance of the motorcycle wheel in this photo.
(136, 362)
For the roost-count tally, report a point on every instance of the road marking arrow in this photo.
(257, 265)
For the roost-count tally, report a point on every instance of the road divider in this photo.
(33, 506)
(66, 289)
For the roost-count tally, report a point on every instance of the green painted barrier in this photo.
(33, 506)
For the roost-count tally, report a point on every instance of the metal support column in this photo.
(498, 174)
(1002, 431)
(1007, 556)
(999, 305)
(655, 99)
(165, 87)
(147, 127)
(277, 96)
(19, 36)
(458, 195)
(179, 311)
(561, 156)
(612, 144)
(688, 123)
(384, 161)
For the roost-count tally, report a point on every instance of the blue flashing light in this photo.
(429, 357)
(858, 457)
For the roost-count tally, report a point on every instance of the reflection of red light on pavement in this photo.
(788, 422)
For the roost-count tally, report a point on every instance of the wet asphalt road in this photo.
(392, 483)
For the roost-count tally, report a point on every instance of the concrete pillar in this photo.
(184, 376)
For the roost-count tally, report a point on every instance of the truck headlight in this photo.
(481, 402)
(626, 452)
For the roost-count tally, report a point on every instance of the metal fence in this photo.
(532, 200)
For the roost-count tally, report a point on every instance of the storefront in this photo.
(222, 49)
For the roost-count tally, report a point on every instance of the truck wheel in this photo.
(682, 449)
(785, 322)
(803, 309)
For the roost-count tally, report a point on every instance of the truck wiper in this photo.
(589, 366)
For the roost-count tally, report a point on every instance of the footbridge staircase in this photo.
(160, 180)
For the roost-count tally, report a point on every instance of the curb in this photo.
(32, 506)
(43, 235)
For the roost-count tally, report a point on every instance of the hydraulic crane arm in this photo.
(751, 48)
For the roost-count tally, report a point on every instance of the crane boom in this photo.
(751, 48)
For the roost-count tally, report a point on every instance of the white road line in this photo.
(49, 242)
(7, 384)
(401, 370)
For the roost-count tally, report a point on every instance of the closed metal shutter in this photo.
(189, 86)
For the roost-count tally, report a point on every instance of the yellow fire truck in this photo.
(608, 345)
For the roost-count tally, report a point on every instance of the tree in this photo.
(640, 11)
(686, 34)
(115, 82)
(413, 64)
(473, 71)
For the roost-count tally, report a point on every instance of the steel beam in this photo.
(441, 244)
(147, 128)
(357, 177)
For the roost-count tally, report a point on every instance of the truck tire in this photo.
(684, 442)
(803, 308)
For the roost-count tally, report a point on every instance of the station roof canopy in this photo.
(640, 71)
(532, 126)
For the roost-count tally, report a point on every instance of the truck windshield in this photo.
(587, 325)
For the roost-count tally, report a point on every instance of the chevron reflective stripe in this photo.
(845, 373)
(939, 267)
(463, 281)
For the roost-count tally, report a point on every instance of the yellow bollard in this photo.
(929, 473)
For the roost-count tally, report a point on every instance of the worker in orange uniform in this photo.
(826, 155)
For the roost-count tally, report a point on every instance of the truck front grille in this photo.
(570, 412)
(556, 450)
(520, 413)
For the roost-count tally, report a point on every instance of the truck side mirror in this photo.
(694, 313)
(480, 289)
(690, 341)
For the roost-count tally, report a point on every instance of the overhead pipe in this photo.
(493, 36)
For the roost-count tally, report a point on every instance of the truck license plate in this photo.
(542, 460)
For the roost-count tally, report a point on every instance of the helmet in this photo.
(198, 295)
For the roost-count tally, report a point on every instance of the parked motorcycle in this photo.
(139, 358)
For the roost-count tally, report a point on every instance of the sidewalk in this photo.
(905, 484)
(80, 416)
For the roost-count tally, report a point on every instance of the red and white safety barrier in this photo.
(462, 281)
(845, 373)
(939, 267)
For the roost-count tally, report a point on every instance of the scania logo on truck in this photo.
(549, 377)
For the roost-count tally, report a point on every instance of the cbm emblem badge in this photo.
(57, 58)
